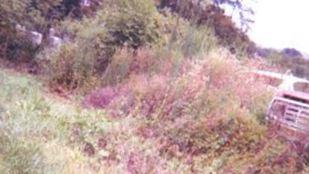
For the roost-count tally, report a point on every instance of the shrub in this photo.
(202, 86)
(190, 40)
(127, 62)
(198, 91)
(133, 23)
(90, 62)
(84, 62)
(79, 63)
(182, 39)
(73, 67)
(198, 40)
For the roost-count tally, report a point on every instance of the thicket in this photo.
(125, 25)
(204, 118)
(200, 118)
(84, 60)
(87, 58)
(172, 99)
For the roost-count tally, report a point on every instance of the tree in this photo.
(210, 13)
(196, 7)
(244, 12)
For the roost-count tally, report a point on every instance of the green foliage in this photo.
(81, 64)
(33, 15)
(28, 13)
(189, 40)
(35, 130)
(23, 120)
(212, 16)
(21, 157)
(160, 114)
(197, 40)
(259, 105)
(200, 120)
(72, 67)
(78, 64)
(208, 119)
(133, 23)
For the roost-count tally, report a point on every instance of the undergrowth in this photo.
(197, 117)
(206, 118)
(160, 95)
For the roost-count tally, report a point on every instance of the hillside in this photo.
(136, 87)
(42, 133)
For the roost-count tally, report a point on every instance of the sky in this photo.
(281, 23)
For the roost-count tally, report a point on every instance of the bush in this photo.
(132, 23)
(187, 39)
(82, 63)
(73, 67)
(199, 87)
(128, 62)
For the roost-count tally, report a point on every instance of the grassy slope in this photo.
(40, 134)
(34, 128)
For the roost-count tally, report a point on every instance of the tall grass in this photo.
(209, 118)
(35, 130)
(176, 103)
(203, 119)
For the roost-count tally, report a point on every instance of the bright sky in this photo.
(281, 23)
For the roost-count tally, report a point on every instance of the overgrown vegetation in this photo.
(78, 64)
(198, 120)
(146, 89)
(210, 14)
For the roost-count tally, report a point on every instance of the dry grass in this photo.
(193, 116)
